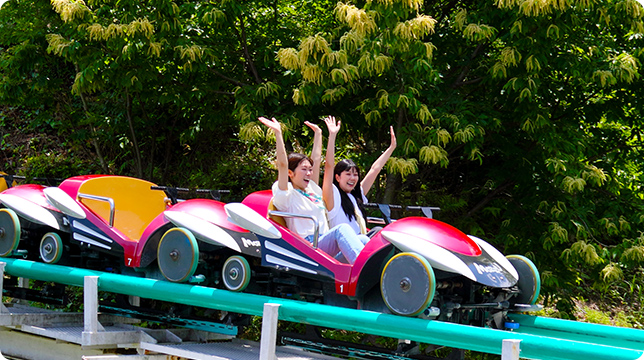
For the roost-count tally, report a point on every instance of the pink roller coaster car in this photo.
(414, 266)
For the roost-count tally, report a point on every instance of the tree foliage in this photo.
(519, 118)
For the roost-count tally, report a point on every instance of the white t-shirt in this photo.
(293, 201)
(337, 215)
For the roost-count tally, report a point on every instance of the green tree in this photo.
(35, 108)
(519, 118)
(559, 80)
(379, 58)
(154, 75)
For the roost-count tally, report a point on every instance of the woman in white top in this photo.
(347, 195)
(296, 190)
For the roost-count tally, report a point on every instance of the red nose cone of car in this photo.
(438, 233)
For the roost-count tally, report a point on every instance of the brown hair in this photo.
(294, 160)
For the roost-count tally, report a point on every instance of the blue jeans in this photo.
(341, 238)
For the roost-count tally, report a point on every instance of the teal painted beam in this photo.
(580, 331)
(432, 332)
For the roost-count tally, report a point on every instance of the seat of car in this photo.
(135, 203)
(278, 219)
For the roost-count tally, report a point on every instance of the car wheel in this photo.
(236, 273)
(9, 232)
(178, 254)
(407, 284)
(51, 248)
(529, 280)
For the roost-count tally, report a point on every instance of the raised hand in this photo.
(316, 153)
(316, 129)
(331, 124)
(272, 124)
(370, 177)
(327, 180)
(280, 151)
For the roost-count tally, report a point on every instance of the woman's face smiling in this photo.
(348, 179)
(302, 175)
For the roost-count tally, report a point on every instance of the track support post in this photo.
(269, 332)
(3, 309)
(24, 284)
(90, 297)
(510, 349)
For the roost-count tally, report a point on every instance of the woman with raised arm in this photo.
(347, 195)
(296, 191)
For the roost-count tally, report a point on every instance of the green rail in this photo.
(426, 331)
(579, 331)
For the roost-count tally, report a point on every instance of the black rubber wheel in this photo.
(51, 248)
(9, 232)
(529, 280)
(178, 254)
(236, 273)
(407, 284)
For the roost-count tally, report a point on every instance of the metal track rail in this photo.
(558, 344)
(582, 332)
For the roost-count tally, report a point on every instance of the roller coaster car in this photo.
(86, 217)
(415, 266)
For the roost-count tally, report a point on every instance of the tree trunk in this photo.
(94, 137)
(137, 153)
(393, 180)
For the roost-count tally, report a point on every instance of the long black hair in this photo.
(345, 202)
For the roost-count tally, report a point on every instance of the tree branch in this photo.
(154, 129)
(94, 140)
(137, 153)
(491, 196)
(393, 180)
(230, 80)
(466, 69)
(468, 82)
(249, 60)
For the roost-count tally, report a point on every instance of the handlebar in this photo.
(215, 194)
(401, 207)
(9, 179)
(385, 209)
(316, 232)
(173, 192)
(174, 188)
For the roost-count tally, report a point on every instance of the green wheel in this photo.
(9, 232)
(178, 254)
(51, 248)
(236, 273)
(407, 284)
(529, 279)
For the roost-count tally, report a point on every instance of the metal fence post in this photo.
(510, 349)
(3, 309)
(90, 297)
(23, 283)
(269, 332)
